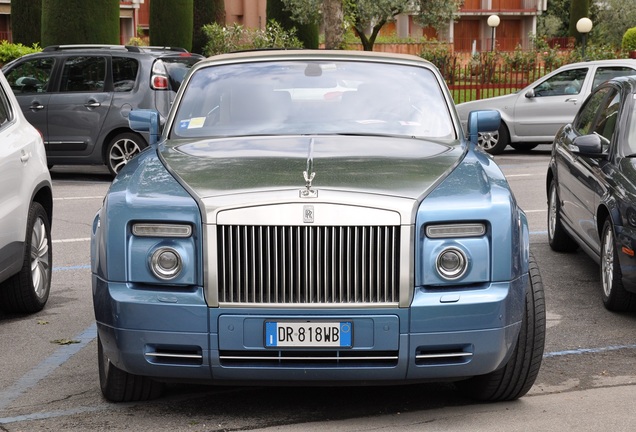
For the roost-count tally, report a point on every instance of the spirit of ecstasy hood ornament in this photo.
(309, 174)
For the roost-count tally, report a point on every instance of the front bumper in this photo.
(175, 336)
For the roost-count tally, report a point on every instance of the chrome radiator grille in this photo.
(308, 264)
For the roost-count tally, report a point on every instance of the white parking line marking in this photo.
(76, 240)
(78, 198)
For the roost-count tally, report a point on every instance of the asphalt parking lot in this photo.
(49, 362)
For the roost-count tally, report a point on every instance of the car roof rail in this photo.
(91, 46)
(163, 48)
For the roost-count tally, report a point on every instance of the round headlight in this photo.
(166, 263)
(452, 263)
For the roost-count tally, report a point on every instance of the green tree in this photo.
(578, 9)
(367, 17)
(555, 21)
(307, 33)
(26, 21)
(80, 22)
(613, 19)
(205, 12)
(171, 23)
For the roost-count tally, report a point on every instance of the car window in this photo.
(30, 76)
(606, 123)
(124, 73)
(564, 83)
(606, 73)
(631, 134)
(336, 97)
(177, 68)
(83, 74)
(5, 109)
(585, 119)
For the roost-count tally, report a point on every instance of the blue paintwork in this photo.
(482, 311)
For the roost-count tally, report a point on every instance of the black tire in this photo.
(28, 290)
(558, 238)
(120, 386)
(615, 297)
(523, 147)
(518, 375)
(121, 149)
(494, 142)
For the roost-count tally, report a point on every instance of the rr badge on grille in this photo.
(308, 214)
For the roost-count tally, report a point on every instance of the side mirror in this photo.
(530, 94)
(145, 120)
(482, 121)
(588, 145)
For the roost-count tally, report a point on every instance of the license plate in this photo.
(308, 334)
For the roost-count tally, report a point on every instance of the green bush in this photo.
(9, 51)
(236, 38)
(520, 60)
(629, 40)
(171, 23)
(441, 55)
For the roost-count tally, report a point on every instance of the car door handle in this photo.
(574, 100)
(36, 106)
(93, 104)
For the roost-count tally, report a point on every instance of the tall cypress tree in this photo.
(308, 34)
(171, 23)
(578, 9)
(205, 12)
(80, 22)
(26, 21)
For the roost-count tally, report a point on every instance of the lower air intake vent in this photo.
(309, 358)
(189, 356)
(436, 356)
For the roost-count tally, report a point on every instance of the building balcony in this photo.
(480, 7)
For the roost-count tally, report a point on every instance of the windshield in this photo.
(177, 68)
(313, 97)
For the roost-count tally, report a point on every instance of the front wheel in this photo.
(28, 290)
(494, 142)
(120, 386)
(121, 149)
(518, 375)
(615, 297)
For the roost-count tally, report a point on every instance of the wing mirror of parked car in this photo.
(145, 120)
(588, 145)
(482, 121)
(530, 94)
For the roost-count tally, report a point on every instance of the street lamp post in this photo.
(493, 22)
(584, 26)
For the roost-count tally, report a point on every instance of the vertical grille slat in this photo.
(308, 264)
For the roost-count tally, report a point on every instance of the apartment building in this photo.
(517, 20)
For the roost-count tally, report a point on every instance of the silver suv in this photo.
(79, 97)
(26, 211)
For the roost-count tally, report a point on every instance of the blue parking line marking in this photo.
(78, 267)
(47, 366)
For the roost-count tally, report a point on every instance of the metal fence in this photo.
(479, 81)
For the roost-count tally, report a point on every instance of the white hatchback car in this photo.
(533, 115)
(26, 211)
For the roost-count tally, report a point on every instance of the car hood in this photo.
(395, 166)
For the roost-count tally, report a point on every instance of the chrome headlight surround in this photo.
(163, 252)
(452, 253)
(451, 263)
(166, 263)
